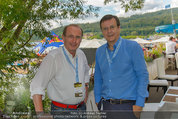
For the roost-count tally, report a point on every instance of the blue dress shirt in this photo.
(127, 75)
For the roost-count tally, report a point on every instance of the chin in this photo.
(73, 48)
(110, 40)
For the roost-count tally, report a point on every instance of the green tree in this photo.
(128, 4)
(134, 33)
(20, 20)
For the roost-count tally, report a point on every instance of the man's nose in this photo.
(109, 29)
(74, 39)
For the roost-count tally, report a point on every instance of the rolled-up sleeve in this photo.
(44, 74)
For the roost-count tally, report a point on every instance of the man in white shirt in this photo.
(171, 46)
(176, 44)
(64, 72)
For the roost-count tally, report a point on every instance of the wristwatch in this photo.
(86, 85)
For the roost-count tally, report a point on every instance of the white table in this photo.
(167, 94)
(162, 110)
(168, 109)
(149, 110)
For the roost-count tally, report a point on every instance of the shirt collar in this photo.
(70, 55)
(115, 45)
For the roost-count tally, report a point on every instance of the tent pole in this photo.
(173, 23)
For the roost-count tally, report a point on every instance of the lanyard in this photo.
(75, 68)
(115, 52)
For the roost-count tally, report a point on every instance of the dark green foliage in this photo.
(20, 20)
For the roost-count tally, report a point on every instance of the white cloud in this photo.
(66, 22)
(107, 10)
(174, 3)
(115, 8)
(151, 4)
(98, 3)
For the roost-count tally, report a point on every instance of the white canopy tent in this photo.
(141, 41)
(95, 43)
(89, 48)
(161, 40)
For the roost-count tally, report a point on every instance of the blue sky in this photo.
(115, 9)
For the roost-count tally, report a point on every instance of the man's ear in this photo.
(63, 37)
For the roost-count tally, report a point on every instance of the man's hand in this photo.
(137, 110)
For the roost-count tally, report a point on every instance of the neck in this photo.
(111, 45)
(72, 53)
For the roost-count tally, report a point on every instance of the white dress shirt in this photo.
(57, 75)
(170, 47)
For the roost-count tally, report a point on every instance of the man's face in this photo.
(72, 38)
(110, 30)
(174, 39)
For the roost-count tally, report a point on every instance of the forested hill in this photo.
(136, 25)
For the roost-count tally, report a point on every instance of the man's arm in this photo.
(86, 92)
(142, 79)
(87, 77)
(97, 80)
(140, 69)
(37, 100)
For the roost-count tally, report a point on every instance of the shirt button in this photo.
(109, 80)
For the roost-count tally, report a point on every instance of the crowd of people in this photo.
(172, 46)
(158, 49)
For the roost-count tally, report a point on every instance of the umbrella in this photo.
(95, 43)
(163, 40)
(48, 42)
(167, 28)
(141, 41)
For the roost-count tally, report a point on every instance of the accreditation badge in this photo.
(78, 89)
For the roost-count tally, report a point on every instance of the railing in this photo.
(152, 68)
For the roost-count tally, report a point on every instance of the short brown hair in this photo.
(75, 25)
(171, 38)
(108, 17)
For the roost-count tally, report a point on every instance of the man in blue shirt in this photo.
(121, 76)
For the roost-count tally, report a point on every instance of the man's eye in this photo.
(71, 36)
(105, 29)
(78, 37)
(112, 27)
